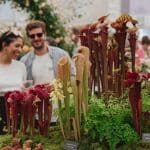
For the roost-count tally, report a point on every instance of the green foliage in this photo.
(5, 140)
(145, 108)
(54, 140)
(71, 110)
(110, 123)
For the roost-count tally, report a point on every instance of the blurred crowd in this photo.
(142, 55)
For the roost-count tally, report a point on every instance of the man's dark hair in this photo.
(35, 24)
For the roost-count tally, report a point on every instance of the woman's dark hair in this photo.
(7, 38)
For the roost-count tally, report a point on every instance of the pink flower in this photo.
(145, 76)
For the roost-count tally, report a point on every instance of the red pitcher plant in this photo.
(133, 82)
(25, 104)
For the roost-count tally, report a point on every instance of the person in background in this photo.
(41, 62)
(142, 51)
(75, 38)
(12, 72)
(146, 61)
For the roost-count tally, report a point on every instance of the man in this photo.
(41, 63)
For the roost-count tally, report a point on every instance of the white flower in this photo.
(16, 31)
(3, 30)
(60, 85)
(43, 4)
(69, 90)
(97, 31)
(129, 25)
(36, 1)
(57, 94)
(50, 26)
(111, 30)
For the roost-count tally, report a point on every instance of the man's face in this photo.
(38, 38)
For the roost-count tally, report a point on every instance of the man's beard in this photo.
(39, 47)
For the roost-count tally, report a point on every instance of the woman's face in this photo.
(14, 49)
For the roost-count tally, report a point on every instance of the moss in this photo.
(5, 140)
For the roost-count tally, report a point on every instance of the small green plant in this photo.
(54, 140)
(5, 140)
(109, 124)
(145, 110)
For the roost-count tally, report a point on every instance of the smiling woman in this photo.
(12, 72)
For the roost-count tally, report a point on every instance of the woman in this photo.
(12, 72)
